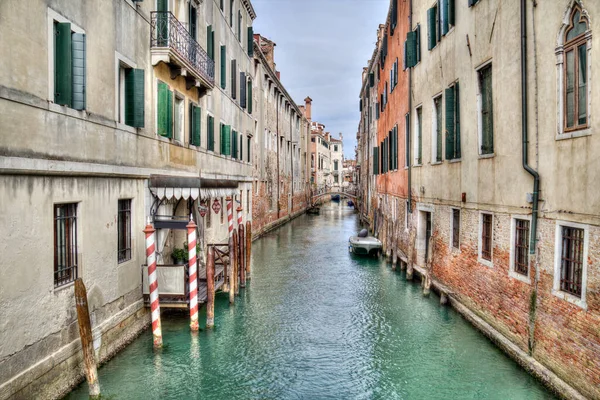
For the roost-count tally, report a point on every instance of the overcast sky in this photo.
(322, 47)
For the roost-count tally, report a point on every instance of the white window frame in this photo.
(480, 259)
(451, 235)
(581, 302)
(53, 16)
(121, 62)
(416, 137)
(513, 235)
(434, 130)
(176, 139)
(560, 83)
(480, 109)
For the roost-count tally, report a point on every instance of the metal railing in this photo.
(168, 32)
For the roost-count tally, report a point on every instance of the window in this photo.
(335, 179)
(249, 97)
(210, 133)
(130, 104)
(437, 130)
(231, 13)
(520, 256)
(248, 148)
(412, 48)
(225, 139)
(222, 4)
(576, 70)
(486, 110)
(452, 123)
(233, 79)
(485, 245)
(195, 121)
(571, 260)
(239, 27)
(65, 244)
(250, 41)
(124, 231)
(210, 42)
(335, 165)
(456, 228)
(335, 148)
(179, 119)
(433, 27)
(193, 21)
(419, 137)
(223, 67)
(69, 64)
(164, 110)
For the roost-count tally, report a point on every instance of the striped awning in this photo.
(175, 187)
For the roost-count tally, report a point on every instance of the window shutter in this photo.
(210, 135)
(233, 79)
(444, 15)
(243, 89)
(451, 12)
(487, 111)
(134, 97)
(411, 49)
(164, 110)
(63, 72)
(196, 121)
(249, 148)
(449, 94)
(418, 43)
(223, 67)
(78, 66)
(431, 25)
(222, 132)
(239, 30)
(249, 100)
(209, 43)
(457, 152)
(233, 144)
(250, 41)
(371, 79)
(396, 72)
(227, 135)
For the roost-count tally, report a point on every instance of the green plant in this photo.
(178, 254)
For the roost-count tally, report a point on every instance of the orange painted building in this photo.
(392, 177)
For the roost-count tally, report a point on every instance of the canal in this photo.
(318, 323)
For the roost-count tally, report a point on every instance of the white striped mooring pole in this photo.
(230, 214)
(239, 215)
(231, 271)
(153, 283)
(193, 274)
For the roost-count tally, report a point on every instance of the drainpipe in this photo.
(291, 163)
(407, 130)
(277, 130)
(531, 171)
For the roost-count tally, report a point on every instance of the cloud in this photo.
(322, 47)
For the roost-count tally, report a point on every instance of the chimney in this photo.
(278, 75)
(341, 137)
(308, 105)
(268, 49)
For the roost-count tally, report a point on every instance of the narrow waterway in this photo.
(318, 323)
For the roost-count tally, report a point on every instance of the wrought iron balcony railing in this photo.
(168, 33)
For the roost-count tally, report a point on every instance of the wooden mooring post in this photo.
(248, 248)
(87, 343)
(231, 270)
(236, 262)
(210, 288)
(242, 256)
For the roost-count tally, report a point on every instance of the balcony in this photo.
(171, 43)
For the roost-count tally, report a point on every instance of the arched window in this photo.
(574, 61)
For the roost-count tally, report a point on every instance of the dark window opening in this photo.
(521, 247)
(455, 228)
(571, 266)
(65, 244)
(486, 237)
(124, 230)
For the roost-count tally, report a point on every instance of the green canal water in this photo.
(318, 323)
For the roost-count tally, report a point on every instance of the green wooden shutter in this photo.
(227, 137)
(487, 146)
(210, 43)
(165, 110)
(223, 67)
(243, 89)
(196, 124)
(431, 26)
(239, 27)
(222, 135)
(63, 72)
(210, 134)
(134, 97)
(444, 12)
(457, 152)
(451, 12)
(249, 148)
(449, 94)
(249, 100)
(411, 49)
(419, 136)
(250, 41)
(233, 79)
(418, 43)
(162, 23)
(78, 67)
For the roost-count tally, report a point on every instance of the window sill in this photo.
(456, 160)
(437, 163)
(520, 277)
(126, 128)
(484, 262)
(63, 287)
(570, 298)
(574, 134)
(417, 165)
(66, 110)
(485, 156)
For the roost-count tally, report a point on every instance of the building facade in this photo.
(136, 113)
(337, 162)
(503, 212)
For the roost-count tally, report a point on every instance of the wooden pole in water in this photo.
(248, 248)
(242, 257)
(236, 262)
(210, 288)
(193, 274)
(87, 343)
(231, 270)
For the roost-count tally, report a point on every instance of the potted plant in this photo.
(178, 255)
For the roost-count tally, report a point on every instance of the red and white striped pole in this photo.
(153, 283)
(239, 215)
(230, 214)
(193, 273)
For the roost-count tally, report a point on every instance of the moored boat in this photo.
(364, 244)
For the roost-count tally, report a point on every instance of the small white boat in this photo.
(364, 244)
